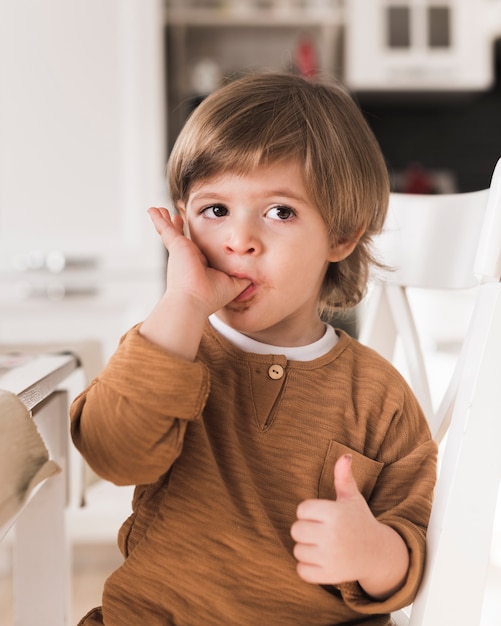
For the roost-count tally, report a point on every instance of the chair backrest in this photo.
(448, 242)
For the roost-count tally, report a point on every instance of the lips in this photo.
(247, 293)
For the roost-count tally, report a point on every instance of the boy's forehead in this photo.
(245, 170)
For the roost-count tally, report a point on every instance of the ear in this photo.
(342, 248)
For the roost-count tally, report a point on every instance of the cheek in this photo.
(312, 270)
(304, 273)
(193, 233)
(207, 244)
(316, 255)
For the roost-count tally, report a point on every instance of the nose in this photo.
(243, 239)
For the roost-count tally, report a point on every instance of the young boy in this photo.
(284, 472)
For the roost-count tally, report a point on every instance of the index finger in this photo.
(314, 510)
(164, 223)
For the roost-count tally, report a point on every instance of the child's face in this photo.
(263, 226)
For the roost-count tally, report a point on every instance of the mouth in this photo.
(248, 292)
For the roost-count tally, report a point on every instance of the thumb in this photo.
(344, 482)
(234, 287)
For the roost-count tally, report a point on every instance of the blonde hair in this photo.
(267, 117)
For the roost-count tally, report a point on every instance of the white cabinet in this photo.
(82, 156)
(81, 125)
(413, 45)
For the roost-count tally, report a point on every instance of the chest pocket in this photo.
(365, 471)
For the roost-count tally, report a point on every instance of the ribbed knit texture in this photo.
(224, 454)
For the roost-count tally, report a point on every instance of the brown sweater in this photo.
(223, 453)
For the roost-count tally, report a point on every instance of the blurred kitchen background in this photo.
(93, 94)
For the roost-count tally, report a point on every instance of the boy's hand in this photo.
(194, 291)
(340, 540)
(188, 273)
(331, 535)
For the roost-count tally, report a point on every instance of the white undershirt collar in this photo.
(302, 353)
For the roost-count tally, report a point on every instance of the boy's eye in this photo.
(214, 211)
(280, 213)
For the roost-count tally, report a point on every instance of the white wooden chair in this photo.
(34, 484)
(450, 242)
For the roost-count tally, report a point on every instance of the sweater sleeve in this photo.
(130, 422)
(402, 499)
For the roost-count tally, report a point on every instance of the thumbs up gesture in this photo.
(341, 540)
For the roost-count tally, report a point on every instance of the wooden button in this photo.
(275, 372)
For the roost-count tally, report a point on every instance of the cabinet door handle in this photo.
(55, 291)
(54, 261)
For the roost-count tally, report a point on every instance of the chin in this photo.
(235, 316)
(245, 316)
(237, 307)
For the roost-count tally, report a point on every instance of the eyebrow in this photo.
(288, 194)
(207, 195)
(221, 197)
